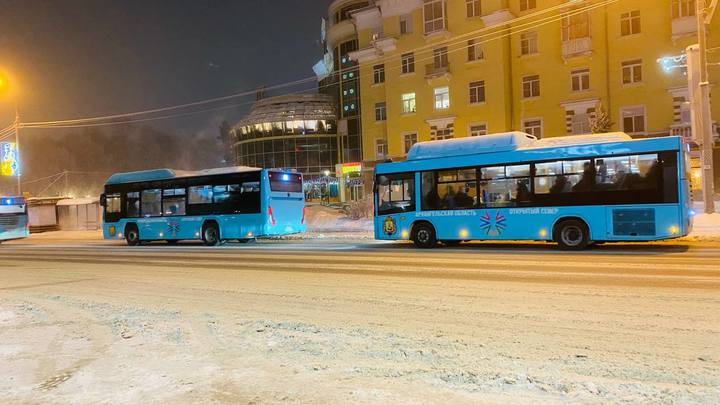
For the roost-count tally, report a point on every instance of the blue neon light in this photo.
(286, 177)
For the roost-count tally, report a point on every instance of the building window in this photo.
(527, 5)
(379, 74)
(380, 111)
(408, 103)
(580, 124)
(442, 98)
(477, 92)
(406, 24)
(580, 79)
(440, 57)
(632, 71)
(633, 119)
(381, 148)
(630, 23)
(478, 129)
(576, 26)
(434, 15)
(473, 8)
(442, 134)
(407, 63)
(531, 86)
(528, 43)
(408, 141)
(683, 8)
(474, 51)
(533, 127)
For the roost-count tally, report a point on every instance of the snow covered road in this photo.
(332, 322)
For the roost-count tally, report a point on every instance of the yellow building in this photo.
(435, 69)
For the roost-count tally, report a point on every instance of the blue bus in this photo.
(14, 222)
(236, 203)
(573, 190)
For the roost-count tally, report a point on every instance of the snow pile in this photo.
(706, 227)
(326, 219)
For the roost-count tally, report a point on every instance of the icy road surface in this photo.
(358, 322)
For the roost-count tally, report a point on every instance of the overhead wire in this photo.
(508, 26)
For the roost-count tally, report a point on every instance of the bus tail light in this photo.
(302, 221)
(271, 216)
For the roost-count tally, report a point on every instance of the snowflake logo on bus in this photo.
(493, 225)
(173, 228)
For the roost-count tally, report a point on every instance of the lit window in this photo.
(407, 63)
(528, 43)
(632, 71)
(442, 98)
(474, 51)
(473, 8)
(408, 141)
(381, 148)
(580, 79)
(434, 15)
(531, 86)
(633, 119)
(630, 23)
(380, 112)
(477, 92)
(478, 129)
(408, 103)
(533, 127)
(379, 74)
(580, 124)
(527, 5)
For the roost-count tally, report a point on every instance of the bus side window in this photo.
(132, 204)
(151, 203)
(112, 205)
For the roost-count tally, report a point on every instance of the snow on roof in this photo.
(291, 107)
(572, 140)
(77, 201)
(469, 146)
(166, 174)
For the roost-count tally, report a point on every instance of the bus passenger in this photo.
(587, 181)
(432, 199)
(561, 185)
(462, 199)
(450, 198)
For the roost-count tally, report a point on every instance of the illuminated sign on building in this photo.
(345, 169)
(9, 162)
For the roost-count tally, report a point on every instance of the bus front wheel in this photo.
(572, 234)
(211, 235)
(132, 236)
(424, 236)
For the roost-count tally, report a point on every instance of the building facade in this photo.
(295, 131)
(438, 69)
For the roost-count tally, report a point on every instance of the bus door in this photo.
(395, 205)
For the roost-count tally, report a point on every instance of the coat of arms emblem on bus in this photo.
(389, 226)
(493, 225)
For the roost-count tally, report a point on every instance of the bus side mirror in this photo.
(103, 200)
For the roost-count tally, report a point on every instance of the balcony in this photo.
(577, 47)
(684, 26)
(434, 71)
(378, 46)
(684, 130)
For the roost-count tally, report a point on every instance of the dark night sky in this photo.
(78, 58)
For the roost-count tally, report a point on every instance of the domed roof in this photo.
(291, 107)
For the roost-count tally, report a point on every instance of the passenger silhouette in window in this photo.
(587, 182)
(562, 185)
(462, 199)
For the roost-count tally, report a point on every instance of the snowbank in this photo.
(326, 219)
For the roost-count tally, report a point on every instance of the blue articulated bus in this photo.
(573, 190)
(14, 222)
(237, 203)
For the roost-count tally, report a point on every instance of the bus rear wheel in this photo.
(211, 235)
(132, 236)
(572, 234)
(424, 236)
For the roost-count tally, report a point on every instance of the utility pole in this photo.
(17, 148)
(703, 134)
